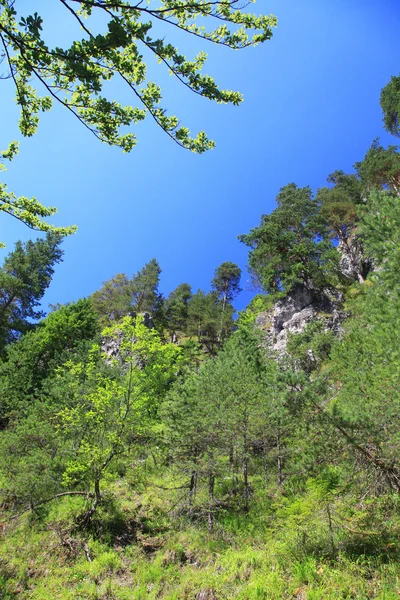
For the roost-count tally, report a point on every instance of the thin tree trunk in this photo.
(279, 457)
(245, 465)
(246, 483)
(328, 510)
(211, 484)
(192, 491)
(222, 317)
(265, 466)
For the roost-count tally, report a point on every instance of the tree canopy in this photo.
(24, 278)
(288, 246)
(390, 104)
(115, 41)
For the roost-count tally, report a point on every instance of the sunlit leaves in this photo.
(75, 76)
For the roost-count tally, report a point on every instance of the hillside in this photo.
(157, 447)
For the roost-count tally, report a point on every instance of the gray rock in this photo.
(293, 313)
(353, 263)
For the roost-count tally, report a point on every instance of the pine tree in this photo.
(289, 246)
(24, 278)
(390, 104)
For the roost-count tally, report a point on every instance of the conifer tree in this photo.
(226, 282)
(24, 278)
(390, 104)
(289, 245)
(120, 296)
(380, 168)
(176, 309)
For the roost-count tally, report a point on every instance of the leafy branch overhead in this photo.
(76, 76)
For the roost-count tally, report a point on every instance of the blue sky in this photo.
(311, 107)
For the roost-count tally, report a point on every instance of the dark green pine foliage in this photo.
(121, 296)
(226, 281)
(216, 419)
(339, 203)
(209, 320)
(289, 246)
(144, 285)
(380, 168)
(113, 300)
(24, 278)
(365, 365)
(176, 310)
(390, 104)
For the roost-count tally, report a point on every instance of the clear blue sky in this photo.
(311, 107)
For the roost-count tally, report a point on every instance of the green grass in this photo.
(260, 556)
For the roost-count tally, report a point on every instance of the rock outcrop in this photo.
(292, 314)
(353, 263)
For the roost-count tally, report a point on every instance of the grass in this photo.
(139, 551)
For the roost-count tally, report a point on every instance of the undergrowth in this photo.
(139, 547)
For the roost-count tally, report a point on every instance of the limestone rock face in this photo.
(111, 347)
(292, 313)
(353, 263)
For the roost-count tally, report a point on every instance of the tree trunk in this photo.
(265, 465)
(279, 457)
(211, 484)
(328, 511)
(222, 318)
(246, 482)
(192, 491)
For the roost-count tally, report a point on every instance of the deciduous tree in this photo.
(114, 41)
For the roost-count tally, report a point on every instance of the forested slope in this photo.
(155, 447)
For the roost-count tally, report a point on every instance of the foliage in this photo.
(390, 104)
(120, 296)
(28, 210)
(208, 465)
(365, 365)
(380, 168)
(24, 278)
(311, 347)
(29, 362)
(176, 309)
(288, 247)
(78, 76)
(216, 416)
(226, 281)
(339, 203)
(209, 320)
(87, 416)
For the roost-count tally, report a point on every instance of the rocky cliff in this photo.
(291, 315)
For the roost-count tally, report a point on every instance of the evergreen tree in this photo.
(226, 282)
(289, 246)
(144, 286)
(339, 204)
(24, 278)
(121, 296)
(209, 321)
(176, 309)
(217, 417)
(68, 331)
(380, 168)
(390, 104)
(113, 300)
